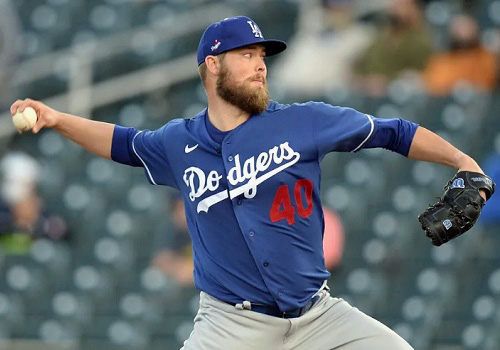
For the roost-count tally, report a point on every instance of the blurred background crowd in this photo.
(92, 257)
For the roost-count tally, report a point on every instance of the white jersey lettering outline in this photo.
(238, 174)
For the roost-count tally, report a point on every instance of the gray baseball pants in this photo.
(330, 324)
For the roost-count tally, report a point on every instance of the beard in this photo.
(240, 95)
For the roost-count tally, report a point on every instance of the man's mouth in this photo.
(259, 79)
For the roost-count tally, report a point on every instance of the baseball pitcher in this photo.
(248, 170)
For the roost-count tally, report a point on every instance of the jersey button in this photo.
(252, 233)
(230, 158)
(218, 151)
(266, 264)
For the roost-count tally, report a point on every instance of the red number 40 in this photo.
(282, 207)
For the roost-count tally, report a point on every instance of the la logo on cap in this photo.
(255, 29)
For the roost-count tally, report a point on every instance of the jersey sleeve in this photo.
(340, 129)
(145, 149)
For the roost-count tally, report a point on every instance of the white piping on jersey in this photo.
(370, 134)
(206, 203)
(143, 162)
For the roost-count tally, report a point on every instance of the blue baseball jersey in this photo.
(253, 199)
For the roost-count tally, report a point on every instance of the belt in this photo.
(275, 311)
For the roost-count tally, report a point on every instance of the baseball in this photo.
(26, 120)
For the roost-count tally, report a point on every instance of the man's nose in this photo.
(261, 66)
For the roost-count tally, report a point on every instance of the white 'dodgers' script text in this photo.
(199, 182)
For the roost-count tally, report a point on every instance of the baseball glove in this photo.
(458, 209)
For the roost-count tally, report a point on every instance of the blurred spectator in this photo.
(175, 258)
(465, 61)
(321, 53)
(400, 48)
(9, 34)
(333, 239)
(22, 217)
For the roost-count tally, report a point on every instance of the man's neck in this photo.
(225, 116)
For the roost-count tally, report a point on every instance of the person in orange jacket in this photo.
(467, 61)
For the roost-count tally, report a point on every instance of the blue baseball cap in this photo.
(232, 33)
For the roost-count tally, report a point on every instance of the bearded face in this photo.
(245, 96)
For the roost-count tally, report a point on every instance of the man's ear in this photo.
(213, 64)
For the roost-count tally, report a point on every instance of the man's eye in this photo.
(248, 55)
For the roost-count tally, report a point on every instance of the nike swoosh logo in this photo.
(190, 149)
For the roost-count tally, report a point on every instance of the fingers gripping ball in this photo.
(24, 121)
(459, 208)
